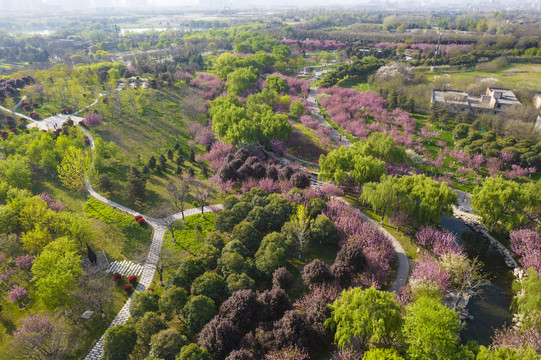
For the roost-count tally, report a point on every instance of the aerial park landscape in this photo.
(286, 184)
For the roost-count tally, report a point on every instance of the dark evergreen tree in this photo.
(152, 162)
(163, 161)
(192, 156)
(136, 185)
(169, 154)
(179, 170)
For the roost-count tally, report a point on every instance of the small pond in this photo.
(490, 309)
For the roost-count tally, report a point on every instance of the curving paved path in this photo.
(159, 226)
(403, 262)
(316, 113)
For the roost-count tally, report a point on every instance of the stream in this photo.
(490, 309)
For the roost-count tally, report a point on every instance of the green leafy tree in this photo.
(366, 168)
(364, 318)
(193, 352)
(277, 84)
(296, 109)
(382, 354)
(211, 285)
(56, 272)
(135, 188)
(247, 235)
(188, 270)
(198, 311)
(505, 353)
(500, 200)
(143, 302)
(271, 254)
(225, 221)
(239, 282)
(74, 168)
(16, 172)
(301, 225)
(431, 330)
(149, 324)
(241, 80)
(118, 342)
(167, 344)
(322, 230)
(172, 301)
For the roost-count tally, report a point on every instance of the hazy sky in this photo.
(485, 5)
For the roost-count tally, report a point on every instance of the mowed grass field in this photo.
(515, 76)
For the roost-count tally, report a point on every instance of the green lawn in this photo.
(516, 76)
(191, 235)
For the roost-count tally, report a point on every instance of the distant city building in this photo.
(495, 100)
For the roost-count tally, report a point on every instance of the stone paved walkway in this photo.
(316, 114)
(403, 262)
(149, 268)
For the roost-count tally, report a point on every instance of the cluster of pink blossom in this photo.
(438, 241)
(471, 161)
(516, 338)
(518, 171)
(17, 293)
(209, 85)
(311, 45)
(463, 48)
(428, 270)
(378, 251)
(217, 154)
(182, 75)
(326, 293)
(24, 261)
(202, 133)
(52, 203)
(364, 112)
(323, 135)
(526, 244)
(278, 146)
(224, 186)
(506, 157)
(309, 122)
(92, 119)
(427, 134)
(438, 163)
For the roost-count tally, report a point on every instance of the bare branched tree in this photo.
(179, 191)
(168, 257)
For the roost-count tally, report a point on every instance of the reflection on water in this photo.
(490, 309)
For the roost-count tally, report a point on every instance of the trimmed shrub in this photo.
(117, 277)
(118, 342)
(128, 288)
(132, 279)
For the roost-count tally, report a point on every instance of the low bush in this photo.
(132, 279)
(128, 288)
(117, 277)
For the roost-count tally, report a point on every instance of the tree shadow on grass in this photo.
(8, 325)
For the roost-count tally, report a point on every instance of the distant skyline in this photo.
(487, 5)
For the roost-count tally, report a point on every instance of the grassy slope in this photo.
(151, 134)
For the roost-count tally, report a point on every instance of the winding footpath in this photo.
(403, 262)
(159, 226)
